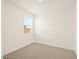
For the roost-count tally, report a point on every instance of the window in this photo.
(27, 24)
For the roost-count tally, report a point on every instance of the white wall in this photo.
(55, 26)
(13, 36)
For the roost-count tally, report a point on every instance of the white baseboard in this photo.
(55, 46)
(16, 48)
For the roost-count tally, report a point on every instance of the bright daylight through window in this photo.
(27, 24)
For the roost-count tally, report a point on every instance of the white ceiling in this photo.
(36, 7)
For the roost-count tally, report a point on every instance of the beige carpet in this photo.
(40, 51)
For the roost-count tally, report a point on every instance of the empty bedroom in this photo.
(38, 29)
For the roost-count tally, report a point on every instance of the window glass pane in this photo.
(27, 24)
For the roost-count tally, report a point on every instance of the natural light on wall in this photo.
(27, 24)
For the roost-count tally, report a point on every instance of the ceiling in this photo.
(36, 7)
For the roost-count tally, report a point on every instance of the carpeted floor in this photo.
(40, 51)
